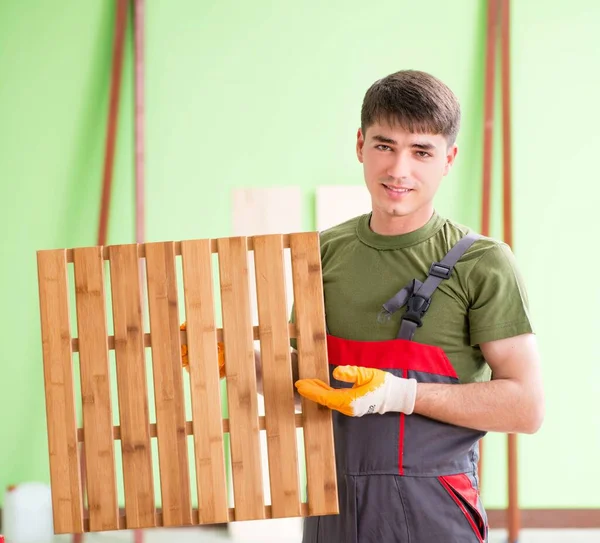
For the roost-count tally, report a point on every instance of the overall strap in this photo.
(417, 295)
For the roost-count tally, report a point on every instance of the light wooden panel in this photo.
(241, 379)
(95, 389)
(131, 383)
(204, 378)
(312, 363)
(338, 203)
(168, 384)
(63, 449)
(263, 211)
(277, 375)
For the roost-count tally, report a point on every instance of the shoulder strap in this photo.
(417, 296)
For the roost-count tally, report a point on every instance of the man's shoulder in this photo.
(452, 231)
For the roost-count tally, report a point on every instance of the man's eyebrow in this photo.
(423, 146)
(383, 139)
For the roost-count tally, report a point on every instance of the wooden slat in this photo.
(183, 337)
(60, 402)
(177, 245)
(312, 363)
(204, 378)
(95, 389)
(277, 376)
(189, 430)
(196, 516)
(168, 384)
(241, 379)
(132, 386)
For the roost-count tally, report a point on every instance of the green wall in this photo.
(267, 94)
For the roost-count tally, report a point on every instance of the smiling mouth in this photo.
(398, 190)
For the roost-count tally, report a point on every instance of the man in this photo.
(430, 343)
(429, 337)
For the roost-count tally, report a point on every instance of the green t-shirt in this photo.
(484, 299)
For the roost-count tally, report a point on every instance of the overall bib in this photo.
(403, 478)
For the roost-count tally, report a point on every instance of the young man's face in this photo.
(403, 171)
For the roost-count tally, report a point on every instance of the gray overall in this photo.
(403, 479)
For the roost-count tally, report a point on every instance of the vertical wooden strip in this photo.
(95, 389)
(60, 398)
(241, 379)
(312, 363)
(277, 376)
(205, 386)
(168, 383)
(131, 380)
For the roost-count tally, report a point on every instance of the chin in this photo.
(398, 211)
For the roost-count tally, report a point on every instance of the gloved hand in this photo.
(374, 391)
(186, 363)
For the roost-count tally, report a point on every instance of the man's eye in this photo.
(423, 154)
(384, 148)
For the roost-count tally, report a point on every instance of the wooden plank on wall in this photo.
(263, 211)
(339, 203)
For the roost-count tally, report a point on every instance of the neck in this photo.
(385, 224)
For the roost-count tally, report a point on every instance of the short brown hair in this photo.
(417, 101)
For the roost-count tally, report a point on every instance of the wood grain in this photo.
(278, 384)
(312, 363)
(132, 386)
(241, 379)
(67, 506)
(99, 451)
(168, 384)
(204, 378)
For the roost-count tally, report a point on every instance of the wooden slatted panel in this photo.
(204, 377)
(241, 379)
(131, 380)
(95, 389)
(63, 448)
(277, 375)
(312, 363)
(168, 384)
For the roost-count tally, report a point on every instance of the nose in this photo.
(399, 166)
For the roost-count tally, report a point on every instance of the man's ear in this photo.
(360, 143)
(450, 157)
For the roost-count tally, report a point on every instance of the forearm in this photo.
(501, 405)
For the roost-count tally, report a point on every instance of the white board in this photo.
(339, 203)
(260, 211)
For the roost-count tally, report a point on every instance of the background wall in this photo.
(244, 94)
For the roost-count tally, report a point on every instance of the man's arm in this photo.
(512, 402)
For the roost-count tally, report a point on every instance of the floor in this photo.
(195, 535)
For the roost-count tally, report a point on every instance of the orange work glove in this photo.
(186, 363)
(374, 391)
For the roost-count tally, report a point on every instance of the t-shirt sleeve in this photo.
(499, 307)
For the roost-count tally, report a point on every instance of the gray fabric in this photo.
(399, 300)
(371, 444)
(391, 508)
(456, 448)
(425, 290)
